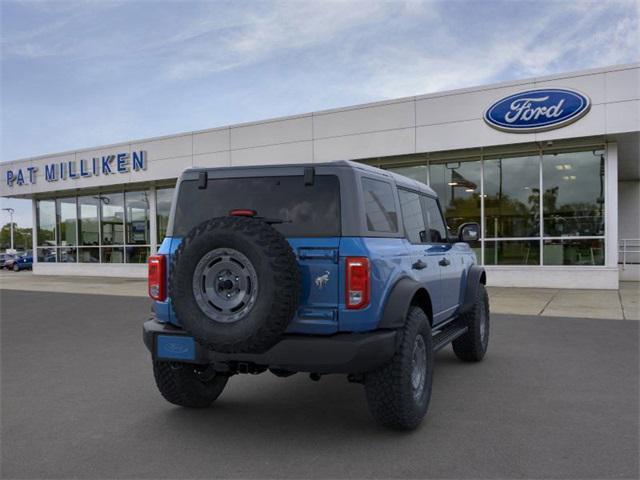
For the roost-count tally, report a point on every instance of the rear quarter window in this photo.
(306, 210)
(380, 206)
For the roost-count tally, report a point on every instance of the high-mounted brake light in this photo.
(157, 277)
(358, 285)
(242, 212)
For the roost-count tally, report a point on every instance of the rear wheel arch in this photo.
(476, 276)
(405, 293)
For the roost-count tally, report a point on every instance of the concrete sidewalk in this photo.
(623, 304)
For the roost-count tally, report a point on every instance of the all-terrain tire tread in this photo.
(182, 387)
(389, 403)
(469, 347)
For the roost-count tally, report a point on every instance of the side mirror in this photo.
(468, 232)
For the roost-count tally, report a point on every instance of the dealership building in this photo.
(549, 166)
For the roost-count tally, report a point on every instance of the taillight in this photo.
(157, 272)
(358, 284)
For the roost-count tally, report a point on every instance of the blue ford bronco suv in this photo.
(325, 268)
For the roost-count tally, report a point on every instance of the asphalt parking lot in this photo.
(555, 398)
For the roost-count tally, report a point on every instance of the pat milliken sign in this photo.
(537, 110)
(105, 165)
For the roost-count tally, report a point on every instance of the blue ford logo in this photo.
(537, 110)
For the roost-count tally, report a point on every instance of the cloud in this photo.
(101, 72)
(287, 26)
(558, 39)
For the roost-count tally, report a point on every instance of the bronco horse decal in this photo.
(322, 280)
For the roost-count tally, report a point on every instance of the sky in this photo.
(87, 73)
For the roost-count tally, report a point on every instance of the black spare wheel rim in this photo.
(225, 285)
(234, 284)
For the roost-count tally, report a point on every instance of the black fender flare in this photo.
(475, 277)
(398, 302)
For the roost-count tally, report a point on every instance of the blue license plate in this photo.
(175, 347)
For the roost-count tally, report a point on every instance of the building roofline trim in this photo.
(445, 93)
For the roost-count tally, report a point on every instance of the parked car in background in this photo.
(23, 262)
(3, 258)
(7, 261)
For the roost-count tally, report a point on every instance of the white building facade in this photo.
(550, 168)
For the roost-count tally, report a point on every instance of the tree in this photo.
(21, 237)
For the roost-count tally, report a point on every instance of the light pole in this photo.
(11, 211)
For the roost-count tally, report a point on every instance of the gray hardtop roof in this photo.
(264, 170)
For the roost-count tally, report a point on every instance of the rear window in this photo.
(307, 210)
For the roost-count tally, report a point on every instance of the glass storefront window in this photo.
(112, 218)
(93, 228)
(573, 198)
(512, 197)
(88, 226)
(458, 187)
(112, 255)
(46, 255)
(89, 255)
(574, 252)
(512, 252)
(67, 221)
(46, 218)
(137, 218)
(137, 254)
(417, 172)
(67, 255)
(163, 208)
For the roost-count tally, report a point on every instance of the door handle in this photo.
(444, 262)
(419, 265)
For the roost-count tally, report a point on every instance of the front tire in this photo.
(16, 268)
(185, 385)
(472, 346)
(398, 393)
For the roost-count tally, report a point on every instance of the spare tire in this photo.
(234, 284)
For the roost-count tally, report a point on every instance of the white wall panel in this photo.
(211, 141)
(271, 133)
(469, 134)
(553, 277)
(623, 85)
(216, 159)
(300, 152)
(462, 107)
(629, 210)
(92, 269)
(623, 117)
(593, 123)
(592, 85)
(179, 146)
(360, 120)
(379, 144)
(163, 169)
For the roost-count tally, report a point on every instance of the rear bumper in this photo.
(339, 353)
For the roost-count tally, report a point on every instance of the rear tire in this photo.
(472, 346)
(16, 268)
(182, 384)
(398, 393)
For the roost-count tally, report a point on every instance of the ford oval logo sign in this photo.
(537, 110)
